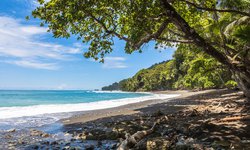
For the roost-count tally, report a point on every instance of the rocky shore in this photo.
(214, 119)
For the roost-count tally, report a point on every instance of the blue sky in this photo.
(30, 58)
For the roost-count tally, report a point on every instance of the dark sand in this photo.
(128, 111)
(217, 119)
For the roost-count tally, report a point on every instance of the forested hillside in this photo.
(189, 69)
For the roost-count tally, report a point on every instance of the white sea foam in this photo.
(111, 91)
(14, 112)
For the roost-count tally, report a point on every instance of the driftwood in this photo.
(132, 140)
(235, 118)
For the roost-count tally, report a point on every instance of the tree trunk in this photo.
(241, 74)
(243, 82)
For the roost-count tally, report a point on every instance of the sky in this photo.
(30, 58)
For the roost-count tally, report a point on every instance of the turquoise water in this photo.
(38, 108)
(10, 98)
(35, 108)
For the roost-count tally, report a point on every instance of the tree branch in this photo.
(175, 41)
(107, 30)
(155, 35)
(175, 33)
(193, 35)
(218, 10)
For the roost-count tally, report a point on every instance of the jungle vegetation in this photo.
(189, 69)
(219, 28)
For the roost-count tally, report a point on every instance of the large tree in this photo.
(221, 28)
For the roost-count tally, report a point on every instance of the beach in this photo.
(193, 119)
(129, 109)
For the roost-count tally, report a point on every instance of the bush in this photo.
(231, 84)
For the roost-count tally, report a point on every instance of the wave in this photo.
(15, 112)
(115, 91)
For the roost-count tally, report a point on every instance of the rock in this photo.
(11, 130)
(67, 134)
(79, 136)
(182, 146)
(157, 144)
(45, 135)
(8, 136)
(221, 144)
(113, 146)
(54, 143)
(57, 147)
(198, 146)
(66, 148)
(34, 132)
(45, 142)
(11, 145)
(91, 147)
(194, 113)
(245, 141)
(189, 140)
(158, 113)
(20, 141)
(35, 147)
(67, 144)
(112, 135)
(99, 143)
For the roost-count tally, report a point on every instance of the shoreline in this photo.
(191, 119)
(127, 109)
(53, 109)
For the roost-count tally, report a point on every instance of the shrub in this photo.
(231, 84)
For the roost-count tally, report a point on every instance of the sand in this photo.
(131, 109)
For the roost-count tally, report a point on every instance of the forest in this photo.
(189, 69)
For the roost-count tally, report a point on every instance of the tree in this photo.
(220, 28)
(189, 69)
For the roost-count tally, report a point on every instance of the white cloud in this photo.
(114, 62)
(33, 30)
(34, 64)
(20, 44)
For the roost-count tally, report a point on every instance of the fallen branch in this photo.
(235, 118)
(132, 140)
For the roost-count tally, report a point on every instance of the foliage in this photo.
(218, 28)
(187, 70)
(112, 87)
(137, 22)
(231, 84)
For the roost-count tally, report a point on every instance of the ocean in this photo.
(36, 108)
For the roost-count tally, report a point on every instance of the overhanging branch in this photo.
(193, 35)
(218, 10)
(175, 41)
(107, 30)
(155, 35)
